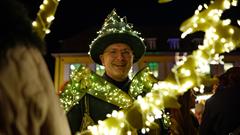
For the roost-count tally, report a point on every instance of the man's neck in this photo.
(124, 85)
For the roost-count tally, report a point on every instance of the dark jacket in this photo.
(222, 113)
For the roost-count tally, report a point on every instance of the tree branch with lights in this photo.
(45, 16)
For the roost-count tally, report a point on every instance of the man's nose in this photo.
(120, 55)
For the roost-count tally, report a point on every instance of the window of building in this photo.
(153, 68)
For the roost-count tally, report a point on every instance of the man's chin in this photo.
(121, 74)
(120, 69)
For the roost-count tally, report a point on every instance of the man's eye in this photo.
(113, 52)
(126, 52)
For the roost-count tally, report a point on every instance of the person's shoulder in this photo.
(213, 101)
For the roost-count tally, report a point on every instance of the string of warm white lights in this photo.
(164, 1)
(220, 37)
(45, 16)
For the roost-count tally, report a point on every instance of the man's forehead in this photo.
(118, 46)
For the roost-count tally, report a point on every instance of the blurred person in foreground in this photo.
(183, 120)
(221, 114)
(28, 104)
(199, 109)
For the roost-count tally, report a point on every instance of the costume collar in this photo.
(123, 85)
(83, 81)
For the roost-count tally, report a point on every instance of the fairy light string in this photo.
(45, 16)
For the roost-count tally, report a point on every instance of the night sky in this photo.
(77, 16)
(74, 16)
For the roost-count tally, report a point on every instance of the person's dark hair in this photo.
(16, 27)
(230, 78)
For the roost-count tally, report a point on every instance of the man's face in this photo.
(118, 60)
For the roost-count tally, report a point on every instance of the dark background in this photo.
(75, 16)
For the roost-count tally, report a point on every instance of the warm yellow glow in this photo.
(234, 2)
(42, 7)
(34, 24)
(184, 34)
(189, 72)
(185, 72)
(226, 4)
(203, 97)
(45, 2)
(50, 18)
(205, 5)
(164, 1)
(238, 21)
(202, 20)
(129, 133)
(200, 7)
(223, 40)
(231, 30)
(45, 16)
(47, 31)
(226, 22)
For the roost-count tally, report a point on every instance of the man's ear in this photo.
(102, 59)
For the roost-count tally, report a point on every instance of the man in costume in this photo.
(117, 48)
